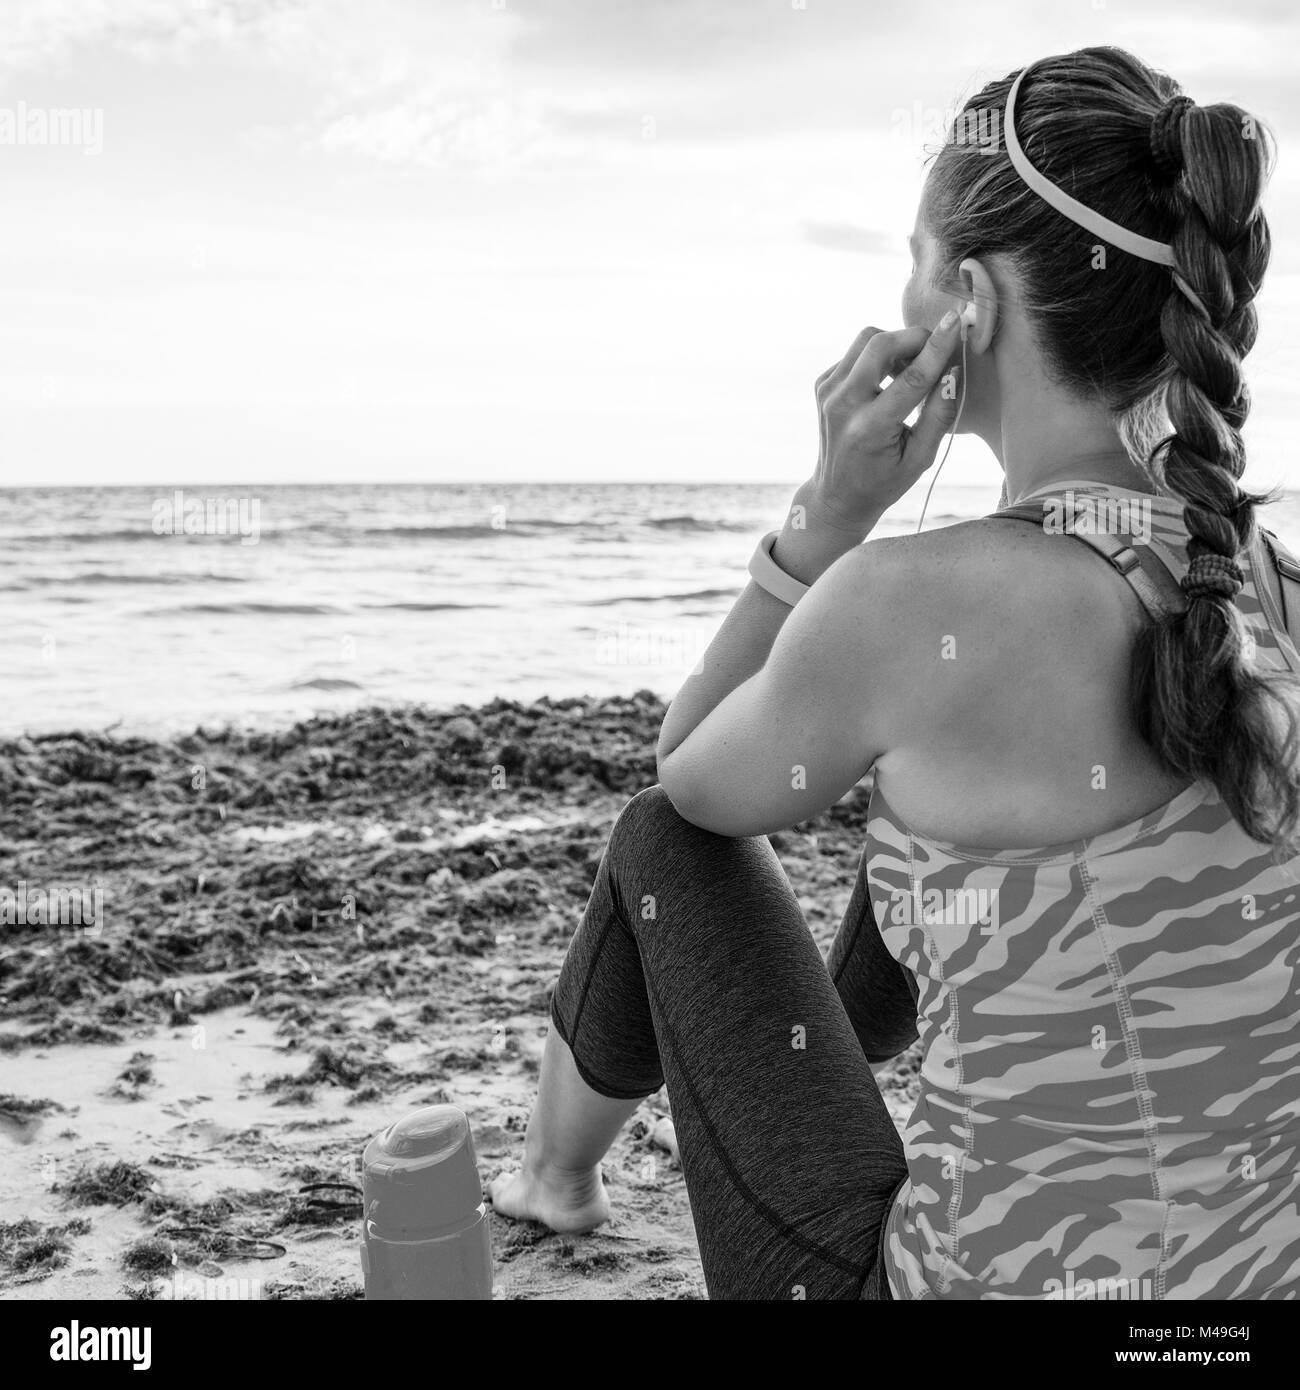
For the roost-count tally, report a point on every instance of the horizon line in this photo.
(444, 482)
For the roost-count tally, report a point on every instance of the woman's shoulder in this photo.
(988, 571)
(943, 621)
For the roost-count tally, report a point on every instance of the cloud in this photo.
(438, 132)
(40, 33)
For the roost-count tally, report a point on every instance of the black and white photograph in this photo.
(650, 655)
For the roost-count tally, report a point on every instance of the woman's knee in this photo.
(650, 820)
(653, 849)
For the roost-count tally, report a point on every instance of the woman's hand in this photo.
(869, 456)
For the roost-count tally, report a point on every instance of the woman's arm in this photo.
(801, 731)
(764, 728)
(808, 545)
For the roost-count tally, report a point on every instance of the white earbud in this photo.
(968, 309)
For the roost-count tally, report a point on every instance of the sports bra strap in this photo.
(1159, 591)
(1288, 573)
(1141, 565)
(1288, 569)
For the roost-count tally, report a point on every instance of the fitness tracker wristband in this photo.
(767, 574)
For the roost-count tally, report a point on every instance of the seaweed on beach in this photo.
(335, 1290)
(33, 1250)
(208, 904)
(362, 756)
(107, 1184)
(141, 1293)
(135, 1076)
(345, 1066)
(26, 1107)
(235, 1222)
(149, 1255)
(210, 1211)
(63, 1030)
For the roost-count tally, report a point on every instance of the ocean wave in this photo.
(326, 683)
(694, 523)
(332, 530)
(660, 598)
(92, 577)
(294, 609)
(467, 531)
(447, 532)
(132, 533)
(414, 606)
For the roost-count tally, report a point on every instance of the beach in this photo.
(299, 934)
(297, 925)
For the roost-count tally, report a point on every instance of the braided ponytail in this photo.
(1200, 703)
(1164, 352)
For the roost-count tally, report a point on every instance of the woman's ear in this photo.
(981, 305)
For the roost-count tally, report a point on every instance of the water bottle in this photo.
(424, 1225)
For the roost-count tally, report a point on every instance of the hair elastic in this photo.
(1161, 252)
(1214, 574)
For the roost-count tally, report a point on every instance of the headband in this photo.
(1161, 252)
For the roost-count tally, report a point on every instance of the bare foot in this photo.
(566, 1202)
(664, 1136)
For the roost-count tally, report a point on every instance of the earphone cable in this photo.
(961, 405)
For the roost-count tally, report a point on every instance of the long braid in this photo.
(1200, 701)
(1163, 353)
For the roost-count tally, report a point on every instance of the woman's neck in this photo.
(1117, 471)
(1060, 441)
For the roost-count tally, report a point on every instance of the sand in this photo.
(305, 934)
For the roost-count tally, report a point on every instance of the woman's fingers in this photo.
(835, 374)
(841, 369)
(882, 356)
(916, 381)
(865, 445)
(937, 417)
(857, 345)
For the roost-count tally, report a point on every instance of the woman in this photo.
(1079, 885)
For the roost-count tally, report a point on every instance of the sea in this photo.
(155, 610)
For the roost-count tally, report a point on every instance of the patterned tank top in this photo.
(1110, 1085)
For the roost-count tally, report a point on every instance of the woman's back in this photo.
(1110, 1088)
(1023, 651)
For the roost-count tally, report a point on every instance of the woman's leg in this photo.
(878, 995)
(693, 964)
(569, 1132)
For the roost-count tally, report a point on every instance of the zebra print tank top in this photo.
(1110, 1086)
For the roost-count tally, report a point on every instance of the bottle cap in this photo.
(419, 1176)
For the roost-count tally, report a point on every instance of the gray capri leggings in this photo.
(693, 965)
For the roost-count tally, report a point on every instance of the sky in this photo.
(513, 240)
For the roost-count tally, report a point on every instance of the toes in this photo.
(664, 1136)
(496, 1186)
